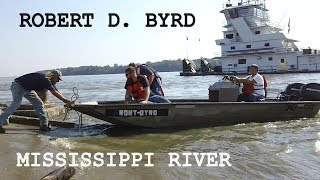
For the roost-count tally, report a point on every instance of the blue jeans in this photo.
(250, 97)
(158, 99)
(18, 92)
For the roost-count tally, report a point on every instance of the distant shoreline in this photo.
(161, 66)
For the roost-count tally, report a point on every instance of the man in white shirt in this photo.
(253, 85)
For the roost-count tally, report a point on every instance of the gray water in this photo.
(277, 150)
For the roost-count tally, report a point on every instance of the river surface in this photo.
(277, 150)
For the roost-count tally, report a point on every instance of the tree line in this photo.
(161, 66)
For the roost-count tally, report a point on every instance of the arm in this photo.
(244, 80)
(146, 95)
(127, 97)
(63, 99)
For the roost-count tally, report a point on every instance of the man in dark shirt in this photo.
(153, 77)
(25, 86)
(138, 89)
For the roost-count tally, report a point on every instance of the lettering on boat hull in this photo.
(137, 112)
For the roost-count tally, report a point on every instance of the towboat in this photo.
(193, 113)
(250, 37)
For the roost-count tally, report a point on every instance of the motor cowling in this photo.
(292, 92)
(310, 92)
(301, 92)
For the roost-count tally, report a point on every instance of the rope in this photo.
(74, 97)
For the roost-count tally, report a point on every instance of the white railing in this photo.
(308, 67)
(216, 54)
(284, 49)
(275, 69)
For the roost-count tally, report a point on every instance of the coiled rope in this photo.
(74, 98)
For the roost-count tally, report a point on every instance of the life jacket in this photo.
(248, 88)
(136, 89)
(265, 84)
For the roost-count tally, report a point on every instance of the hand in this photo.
(226, 77)
(234, 79)
(143, 102)
(69, 104)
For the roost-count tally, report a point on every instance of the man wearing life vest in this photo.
(253, 85)
(138, 89)
(153, 77)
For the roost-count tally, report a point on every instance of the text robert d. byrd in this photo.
(114, 20)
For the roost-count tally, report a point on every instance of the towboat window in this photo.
(257, 32)
(266, 44)
(229, 36)
(233, 13)
(229, 64)
(233, 47)
(282, 61)
(242, 61)
(248, 46)
(270, 58)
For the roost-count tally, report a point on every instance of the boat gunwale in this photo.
(192, 102)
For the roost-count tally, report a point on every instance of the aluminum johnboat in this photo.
(193, 112)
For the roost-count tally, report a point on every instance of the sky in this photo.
(29, 49)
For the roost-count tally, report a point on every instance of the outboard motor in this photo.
(223, 91)
(310, 92)
(291, 93)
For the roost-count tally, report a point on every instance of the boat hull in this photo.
(187, 113)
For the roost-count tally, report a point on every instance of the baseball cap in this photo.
(57, 73)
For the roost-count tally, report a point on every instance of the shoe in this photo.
(2, 130)
(45, 128)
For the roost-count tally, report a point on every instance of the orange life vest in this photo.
(265, 83)
(137, 91)
(248, 88)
